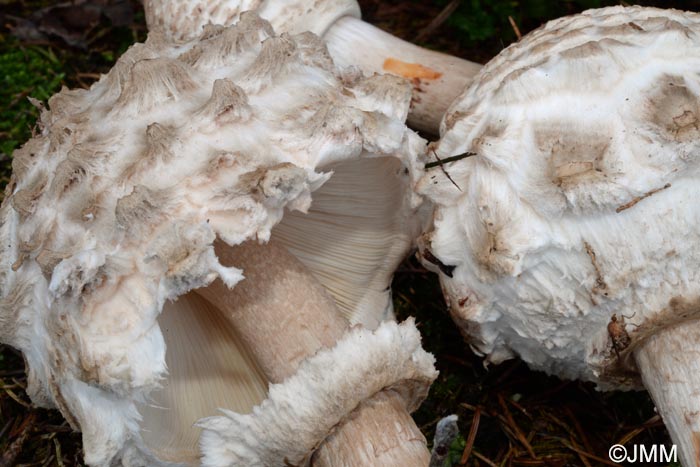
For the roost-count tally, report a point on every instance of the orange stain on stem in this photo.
(409, 70)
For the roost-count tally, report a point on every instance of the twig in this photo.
(560, 423)
(94, 76)
(583, 458)
(515, 27)
(520, 408)
(53, 429)
(516, 430)
(437, 21)
(59, 456)
(640, 198)
(447, 160)
(440, 163)
(474, 408)
(530, 462)
(631, 435)
(584, 453)
(14, 449)
(579, 430)
(508, 457)
(425, 426)
(457, 360)
(16, 398)
(508, 371)
(471, 437)
(10, 386)
(484, 459)
(654, 422)
(80, 81)
(5, 428)
(19, 97)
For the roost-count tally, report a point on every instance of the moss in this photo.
(25, 71)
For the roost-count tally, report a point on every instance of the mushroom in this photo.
(566, 229)
(437, 78)
(151, 274)
(320, 392)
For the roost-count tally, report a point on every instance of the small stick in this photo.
(579, 429)
(515, 27)
(94, 76)
(568, 445)
(520, 408)
(580, 455)
(485, 459)
(440, 163)
(6, 427)
(16, 398)
(437, 21)
(471, 437)
(640, 198)
(15, 448)
(631, 435)
(59, 456)
(516, 430)
(447, 160)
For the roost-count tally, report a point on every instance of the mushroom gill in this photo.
(351, 239)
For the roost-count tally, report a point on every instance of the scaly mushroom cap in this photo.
(437, 78)
(184, 19)
(579, 202)
(114, 206)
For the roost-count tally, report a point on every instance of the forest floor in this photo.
(508, 415)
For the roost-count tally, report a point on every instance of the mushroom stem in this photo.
(293, 319)
(381, 432)
(437, 78)
(670, 368)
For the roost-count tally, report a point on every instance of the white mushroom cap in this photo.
(115, 205)
(184, 19)
(437, 78)
(580, 201)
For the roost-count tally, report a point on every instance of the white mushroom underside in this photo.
(208, 368)
(351, 240)
(357, 230)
